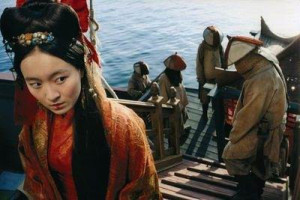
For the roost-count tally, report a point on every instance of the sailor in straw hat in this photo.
(172, 77)
(209, 55)
(258, 122)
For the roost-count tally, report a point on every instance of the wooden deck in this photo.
(197, 178)
(200, 175)
(200, 142)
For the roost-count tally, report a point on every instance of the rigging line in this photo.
(94, 27)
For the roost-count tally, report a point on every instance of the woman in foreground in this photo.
(78, 144)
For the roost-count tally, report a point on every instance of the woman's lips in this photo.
(57, 106)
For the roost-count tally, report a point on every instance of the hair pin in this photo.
(29, 39)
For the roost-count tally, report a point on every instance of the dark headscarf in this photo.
(174, 76)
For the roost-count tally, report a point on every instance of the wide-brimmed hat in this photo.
(175, 62)
(211, 33)
(238, 47)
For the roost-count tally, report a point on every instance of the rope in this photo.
(94, 27)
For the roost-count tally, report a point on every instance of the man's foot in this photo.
(237, 196)
(247, 188)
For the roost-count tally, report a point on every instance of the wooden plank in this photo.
(192, 90)
(196, 183)
(194, 124)
(182, 167)
(208, 180)
(193, 107)
(193, 100)
(168, 162)
(205, 167)
(209, 151)
(201, 188)
(192, 95)
(170, 195)
(171, 192)
(195, 174)
(213, 156)
(205, 161)
(202, 135)
(198, 147)
(213, 174)
(197, 105)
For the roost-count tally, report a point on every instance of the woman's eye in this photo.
(35, 85)
(61, 79)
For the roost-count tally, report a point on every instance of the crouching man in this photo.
(139, 81)
(259, 122)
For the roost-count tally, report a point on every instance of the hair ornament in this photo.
(37, 38)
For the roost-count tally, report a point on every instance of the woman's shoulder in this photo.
(124, 123)
(122, 113)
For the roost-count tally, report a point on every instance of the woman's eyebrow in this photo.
(60, 71)
(32, 79)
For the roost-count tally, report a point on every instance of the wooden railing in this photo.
(163, 126)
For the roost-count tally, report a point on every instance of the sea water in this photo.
(151, 30)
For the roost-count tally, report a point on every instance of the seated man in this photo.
(139, 81)
(258, 124)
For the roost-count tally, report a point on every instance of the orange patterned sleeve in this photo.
(32, 184)
(142, 175)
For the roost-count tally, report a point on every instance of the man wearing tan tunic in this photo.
(209, 56)
(165, 85)
(258, 123)
(172, 77)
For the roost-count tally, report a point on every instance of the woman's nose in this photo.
(52, 94)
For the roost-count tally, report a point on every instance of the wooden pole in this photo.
(175, 121)
(157, 120)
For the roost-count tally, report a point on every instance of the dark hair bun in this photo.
(40, 16)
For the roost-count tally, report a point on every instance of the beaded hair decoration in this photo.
(28, 39)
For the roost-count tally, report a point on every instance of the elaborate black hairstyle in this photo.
(43, 16)
(91, 154)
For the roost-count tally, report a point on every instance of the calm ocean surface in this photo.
(133, 30)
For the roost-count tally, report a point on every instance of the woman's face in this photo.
(55, 83)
